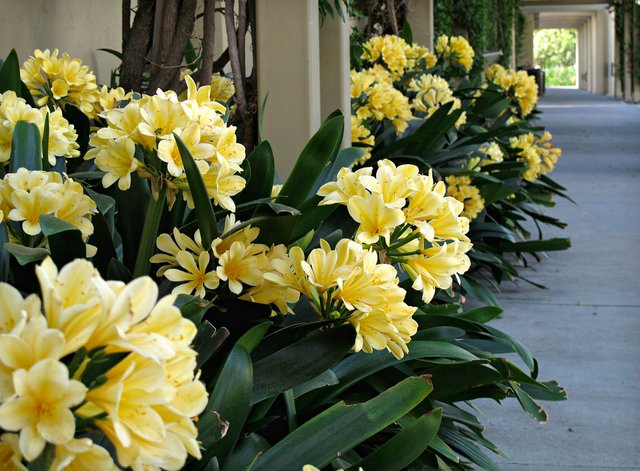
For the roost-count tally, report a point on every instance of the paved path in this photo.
(584, 329)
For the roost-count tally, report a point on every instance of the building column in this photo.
(583, 59)
(611, 54)
(593, 55)
(636, 46)
(628, 59)
(334, 71)
(421, 15)
(525, 58)
(288, 60)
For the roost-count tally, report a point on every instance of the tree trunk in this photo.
(135, 47)
(208, 38)
(168, 74)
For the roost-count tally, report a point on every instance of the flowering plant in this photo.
(480, 139)
(165, 306)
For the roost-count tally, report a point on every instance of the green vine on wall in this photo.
(627, 42)
(487, 24)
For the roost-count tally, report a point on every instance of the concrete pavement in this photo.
(585, 328)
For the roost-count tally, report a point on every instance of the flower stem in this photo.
(290, 404)
(149, 233)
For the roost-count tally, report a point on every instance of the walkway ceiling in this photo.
(562, 5)
(562, 13)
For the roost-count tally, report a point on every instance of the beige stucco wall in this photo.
(78, 27)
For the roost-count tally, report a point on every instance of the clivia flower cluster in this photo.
(235, 259)
(456, 50)
(408, 219)
(60, 80)
(139, 137)
(398, 83)
(518, 85)
(93, 361)
(62, 135)
(26, 195)
(537, 152)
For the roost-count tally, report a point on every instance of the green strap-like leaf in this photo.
(322, 147)
(4, 254)
(10, 74)
(45, 145)
(262, 174)
(246, 452)
(147, 242)
(65, 240)
(253, 336)
(546, 245)
(344, 158)
(482, 314)
(25, 147)
(104, 234)
(204, 209)
(358, 366)
(229, 401)
(342, 427)
(300, 362)
(405, 447)
(81, 124)
(131, 217)
(208, 340)
(24, 255)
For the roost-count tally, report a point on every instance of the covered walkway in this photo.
(585, 328)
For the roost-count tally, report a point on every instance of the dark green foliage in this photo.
(487, 24)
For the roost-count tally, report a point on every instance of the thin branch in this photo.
(238, 78)
(251, 14)
(252, 26)
(208, 41)
(242, 34)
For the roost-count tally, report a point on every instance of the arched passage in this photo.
(595, 37)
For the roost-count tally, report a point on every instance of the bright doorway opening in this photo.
(555, 51)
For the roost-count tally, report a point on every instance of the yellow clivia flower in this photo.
(518, 85)
(379, 100)
(391, 50)
(194, 275)
(117, 160)
(460, 187)
(376, 219)
(62, 135)
(537, 152)
(239, 265)
(40, 410)
(28, 206)
(436, 266)
(361, 136)
(393, 183)
(457, 50)
(347, 184)
(168, 149)
(171, 246)
(81, 455)
(431, 93)
(222, 88)
(10, 454)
